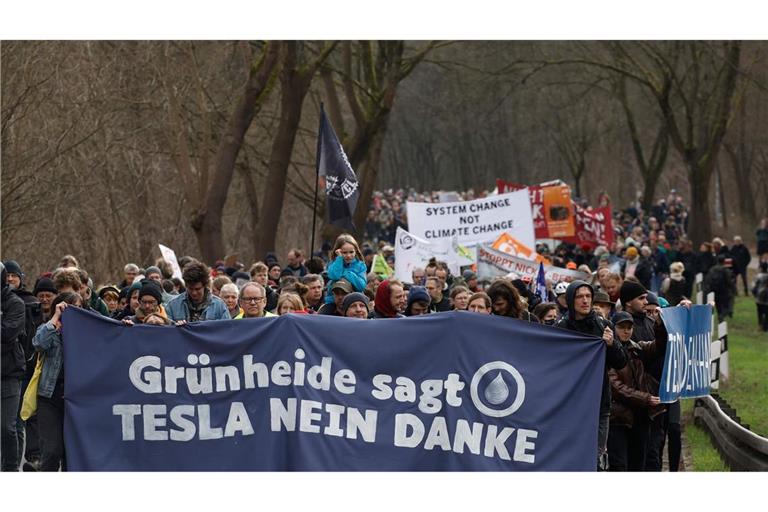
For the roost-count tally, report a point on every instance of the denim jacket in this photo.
(47, 341)
(177, 309)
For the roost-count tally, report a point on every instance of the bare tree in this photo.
(207, 189)
(297, 72)
(651, 166)
(371, 72)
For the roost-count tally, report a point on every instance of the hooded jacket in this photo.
(354, 272)
(594, 325)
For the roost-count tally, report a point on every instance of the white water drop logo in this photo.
(497, 391)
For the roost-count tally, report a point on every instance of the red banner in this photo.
(592, 226)
(537, 205)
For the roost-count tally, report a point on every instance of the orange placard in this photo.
(558, 210)
(508, 244)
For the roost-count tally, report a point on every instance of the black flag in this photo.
(341, 185)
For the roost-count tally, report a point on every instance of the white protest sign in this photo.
(412, 252)
(492, 263)
(474, 221)
(170, 257)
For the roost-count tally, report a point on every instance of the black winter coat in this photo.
(741, 258)
(33, 317)
(592, 324)
(646, 330)
(13, 319)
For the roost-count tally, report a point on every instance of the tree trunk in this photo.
(741, 157)
(699, 219)
(369, 183)
(294, 85)
(746, 188)
(290, 115)
(207, 224)
(649, 192)
(208, 230)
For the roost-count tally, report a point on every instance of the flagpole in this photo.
(317, 177)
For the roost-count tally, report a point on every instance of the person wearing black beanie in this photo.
(152, 289)
(15, 275)
(355, 305)
(418, 297)
(651, 336)
(150, 302)
(631, 290)
(44, 284)
(45, 291)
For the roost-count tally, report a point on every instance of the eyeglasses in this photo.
(148, 302)
(255, 300)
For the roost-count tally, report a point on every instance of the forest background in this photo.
(208, 147)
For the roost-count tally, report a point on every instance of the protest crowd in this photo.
(650, 265)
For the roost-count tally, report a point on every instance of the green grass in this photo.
(704, 456)
(747, 387)
(746, 390)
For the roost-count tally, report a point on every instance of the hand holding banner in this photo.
(686, 371)
(292, 394)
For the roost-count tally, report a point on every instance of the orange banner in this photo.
(508, 244)
(558, 210)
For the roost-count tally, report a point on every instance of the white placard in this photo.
(170, 257)
(412, 252)
(475, 221)
(492, 263)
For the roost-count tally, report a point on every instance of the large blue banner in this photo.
(450, 391)
(686, 371)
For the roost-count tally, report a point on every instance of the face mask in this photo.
(549, 322)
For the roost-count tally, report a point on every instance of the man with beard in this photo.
(582, 318)
(197, 302)
(390, 300)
